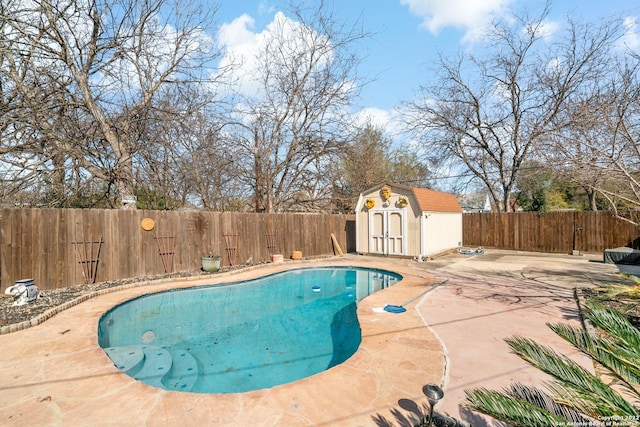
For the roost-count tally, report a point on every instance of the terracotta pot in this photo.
(296, 255)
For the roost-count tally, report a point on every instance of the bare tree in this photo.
(196, 165)
(369, 159)
(88, 75)
(488, 112)
(292, 125)
(600, 146)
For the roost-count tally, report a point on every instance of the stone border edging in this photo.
(15, 327)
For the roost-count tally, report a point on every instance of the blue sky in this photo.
(408, 34)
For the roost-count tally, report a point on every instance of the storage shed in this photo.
(395, 219)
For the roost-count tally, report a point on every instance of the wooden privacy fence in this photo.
(63, 247)
(553, 232)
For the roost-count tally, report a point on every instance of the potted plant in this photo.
(211, 263)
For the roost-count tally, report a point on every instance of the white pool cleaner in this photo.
(24, 291)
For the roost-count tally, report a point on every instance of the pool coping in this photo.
(7, 329)
(67, 380)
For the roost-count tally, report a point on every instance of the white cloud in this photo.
(390, 122)
(631, 39)
(547, 29)
(374, 116)
(284, 39)
(156, 53)
(265, 8)
(240, 44)
(469, 15)
(238, 32)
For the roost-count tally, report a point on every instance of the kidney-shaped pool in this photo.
(241, 336)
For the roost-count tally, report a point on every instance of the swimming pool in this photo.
(241, 336)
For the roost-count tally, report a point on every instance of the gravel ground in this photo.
(49, 299)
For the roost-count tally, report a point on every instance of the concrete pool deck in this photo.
(55, 373)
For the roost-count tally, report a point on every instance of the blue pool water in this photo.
(242, 336)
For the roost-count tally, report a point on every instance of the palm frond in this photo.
(575, 394)
(613, 324)
(557, 365)
(590, 404)
(543, 400)
(622, 362)
(566, 371)
(511, 410)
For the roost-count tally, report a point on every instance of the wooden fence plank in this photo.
(38, 243)
(553, 232)
(16, 245)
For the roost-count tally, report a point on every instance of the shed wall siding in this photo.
(413, 230)
(442, 231)
(362, 231)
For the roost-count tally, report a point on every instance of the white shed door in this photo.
(376, 232)
(386, 232)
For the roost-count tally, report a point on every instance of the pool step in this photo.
(157, 363)
(184, 371)
(167, 368)
(129, 359)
